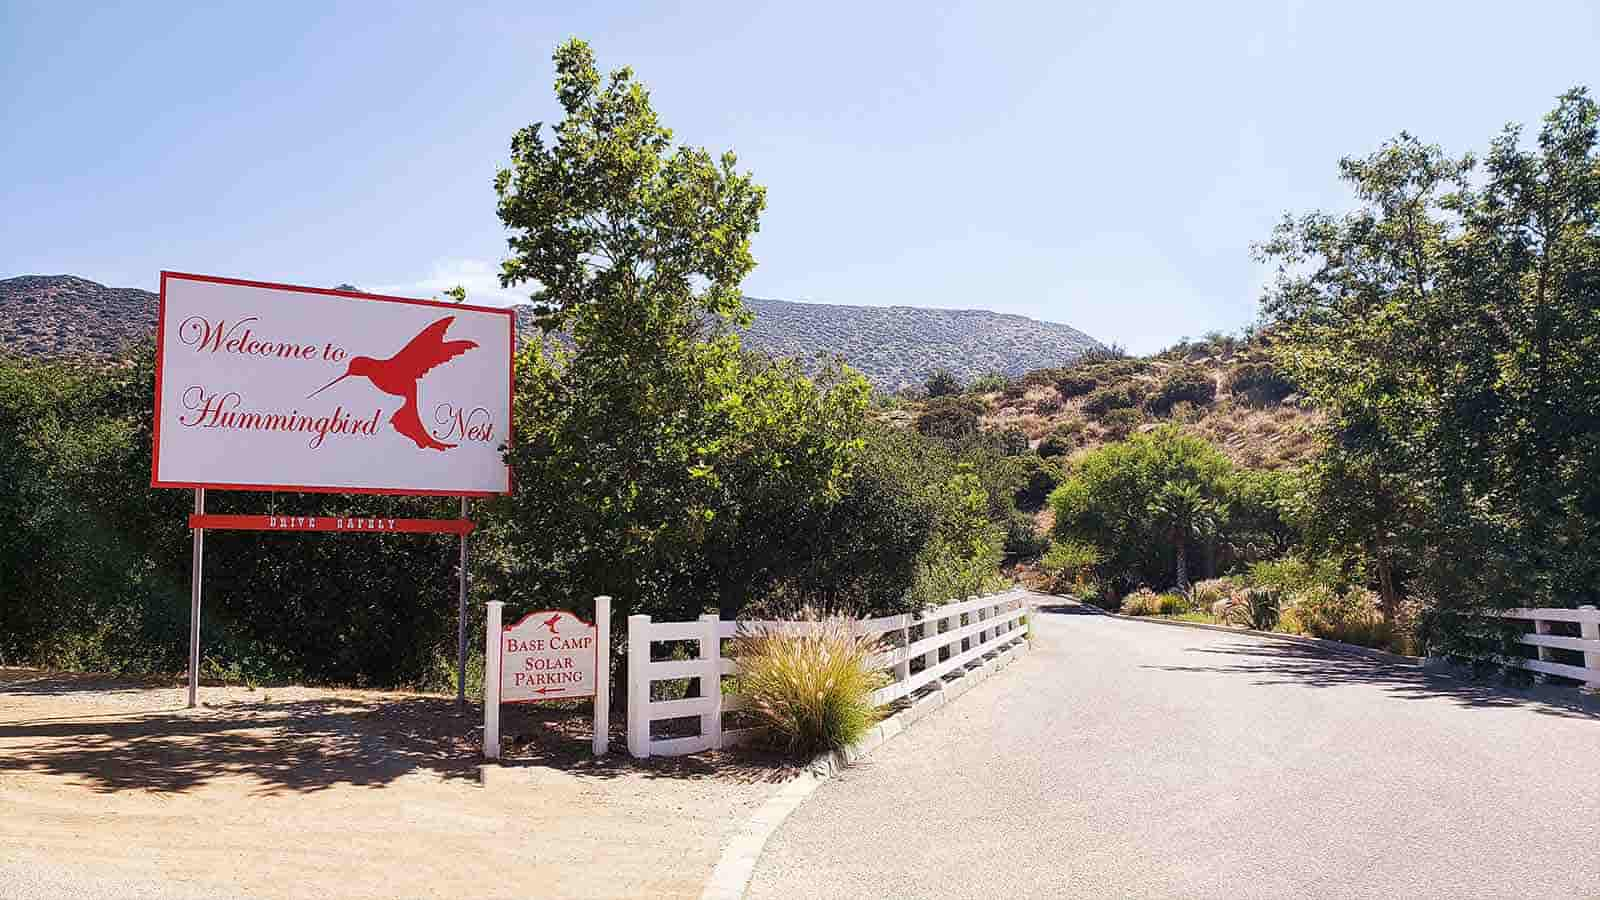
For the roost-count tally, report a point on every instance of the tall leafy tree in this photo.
(1450, 325)
(652, 456)
(1143, 501)
(1186, 514)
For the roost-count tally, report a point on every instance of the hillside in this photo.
(1224, 391)
(898, 346)
(893, 346)
(64, 315)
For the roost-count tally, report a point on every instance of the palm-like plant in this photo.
(1183, 511)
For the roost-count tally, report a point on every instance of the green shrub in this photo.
(1069, 563)
(1259, 383)
(1102, 353)
(1183, 384)
(1120, 423)
(950, 418)
(1023, 540)
(989, 382)
(1076, 384)
(1053, 445)
(1066, 437)
(1048, 406)
(1038, 378)
(1291, 574)
(813, 691)
(1039, 479)
(942, 384)
(1122, 395)
(1010, 441)
(1115, 369)
(1171, 604)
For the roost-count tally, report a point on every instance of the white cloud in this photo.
(480, 277)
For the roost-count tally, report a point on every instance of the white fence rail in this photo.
(1545, 641)
(936, 642)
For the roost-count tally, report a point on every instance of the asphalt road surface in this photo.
(1128, 759)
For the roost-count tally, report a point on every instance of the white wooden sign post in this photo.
(546, 655)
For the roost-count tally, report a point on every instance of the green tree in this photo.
(655, 461)
(1148, 503)
(1447, 326)
(1187, 514)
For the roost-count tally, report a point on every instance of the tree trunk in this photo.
(1387, 595)
(1183, 564)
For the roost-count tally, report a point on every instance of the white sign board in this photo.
(276, 387)
(548, 655)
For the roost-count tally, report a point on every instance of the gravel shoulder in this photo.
(1123, 759)
(114, 789)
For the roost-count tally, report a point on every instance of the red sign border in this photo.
(500, 648)
(161, 329)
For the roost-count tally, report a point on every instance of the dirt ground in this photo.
(115, 789)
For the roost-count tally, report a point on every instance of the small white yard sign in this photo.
(548, 655)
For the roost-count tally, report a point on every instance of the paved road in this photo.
(1127, 759)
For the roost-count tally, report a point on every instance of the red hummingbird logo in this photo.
(400, 373)
(550, 623)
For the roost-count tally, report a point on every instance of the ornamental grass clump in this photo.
(1257, 608)
(1352, 616)
(1143, 602)
(1207, 594)
(811, 691)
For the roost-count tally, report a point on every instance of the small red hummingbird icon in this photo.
(550, 623)
(399, 374)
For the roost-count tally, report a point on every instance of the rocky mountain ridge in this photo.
(894, 346)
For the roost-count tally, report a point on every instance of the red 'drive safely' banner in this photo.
(276, 387)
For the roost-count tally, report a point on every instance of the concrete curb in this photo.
(1384, 656)
(738, 862)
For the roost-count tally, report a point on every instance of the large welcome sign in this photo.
(276, 387)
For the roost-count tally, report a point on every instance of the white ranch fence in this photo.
(939, 641)
(1545, 641)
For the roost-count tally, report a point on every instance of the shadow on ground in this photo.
(306, 743)
(1272, 663)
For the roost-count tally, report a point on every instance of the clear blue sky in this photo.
(1103, 165)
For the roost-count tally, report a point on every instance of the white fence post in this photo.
(1590, 631)
(711, 679)
(1543, 653)
(639, 686)
(930, 627)
(902, 669)
(602, 676)
(491, 680)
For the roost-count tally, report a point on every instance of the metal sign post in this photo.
(194, 602)
(199, 523)
(461, 621)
